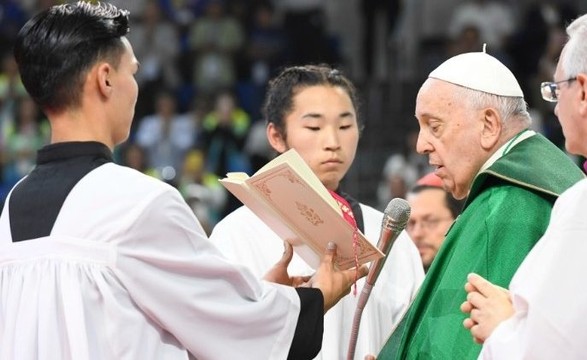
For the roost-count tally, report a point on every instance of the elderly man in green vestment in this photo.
(474, 127)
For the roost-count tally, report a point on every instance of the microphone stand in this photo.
(391, 226)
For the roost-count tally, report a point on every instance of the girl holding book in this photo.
(314, 109)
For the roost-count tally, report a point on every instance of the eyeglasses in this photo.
(426, 224)
(551, 90)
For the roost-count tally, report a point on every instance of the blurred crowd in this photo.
(205, 66)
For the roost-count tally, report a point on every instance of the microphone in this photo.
(395, 218)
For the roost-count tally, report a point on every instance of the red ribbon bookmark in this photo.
(347, 214)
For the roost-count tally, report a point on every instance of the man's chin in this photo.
(426, 266)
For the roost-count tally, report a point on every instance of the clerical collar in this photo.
(68, 150)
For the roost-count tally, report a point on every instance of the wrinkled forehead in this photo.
(437, 97)
(437, 90)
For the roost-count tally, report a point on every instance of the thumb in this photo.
(287, 253)
(330, 253)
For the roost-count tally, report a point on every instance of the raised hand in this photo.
(333, 283)
(278, 273)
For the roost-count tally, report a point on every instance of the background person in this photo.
(433, 210)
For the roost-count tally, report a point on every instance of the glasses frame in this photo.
(550, 90)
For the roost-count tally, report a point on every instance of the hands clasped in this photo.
(487, 305)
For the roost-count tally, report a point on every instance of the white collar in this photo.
(505, 148)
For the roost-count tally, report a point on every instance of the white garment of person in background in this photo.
(313, 110)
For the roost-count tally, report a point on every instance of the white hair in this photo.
(574, 60)
(510, 108)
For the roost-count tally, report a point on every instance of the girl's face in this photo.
(323, 129)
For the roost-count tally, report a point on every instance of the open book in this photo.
(291, 200)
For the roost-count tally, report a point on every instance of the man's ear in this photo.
(582, 80)
(103, 75)
(275, 138)
(491, 128)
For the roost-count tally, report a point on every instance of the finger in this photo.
(330, 253)
(476, 299)
(363, 271)
(353, 274)
(468, 323)
(287, 253)
(483, 286)
(469, 287)
(477, 334)
(370, 357)
(466, 307)
(475, 315)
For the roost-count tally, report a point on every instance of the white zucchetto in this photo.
(479, 71)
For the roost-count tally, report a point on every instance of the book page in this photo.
(289, 203)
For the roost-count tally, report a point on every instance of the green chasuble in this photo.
(507, 211)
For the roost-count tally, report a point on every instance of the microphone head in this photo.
(396, 214)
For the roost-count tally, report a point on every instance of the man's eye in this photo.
(434, 128)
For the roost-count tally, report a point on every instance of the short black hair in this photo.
(453, 205)
(282, 89)
(55, 49)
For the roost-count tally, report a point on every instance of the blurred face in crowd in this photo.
(429, 221)
(225, 107)
(323, 129)
(166, 106)
(450, 134)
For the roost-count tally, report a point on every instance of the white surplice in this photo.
(548, 291)
(128, 273)
(244, 238)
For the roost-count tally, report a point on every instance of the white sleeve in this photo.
(547, 292)
(180, 280)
